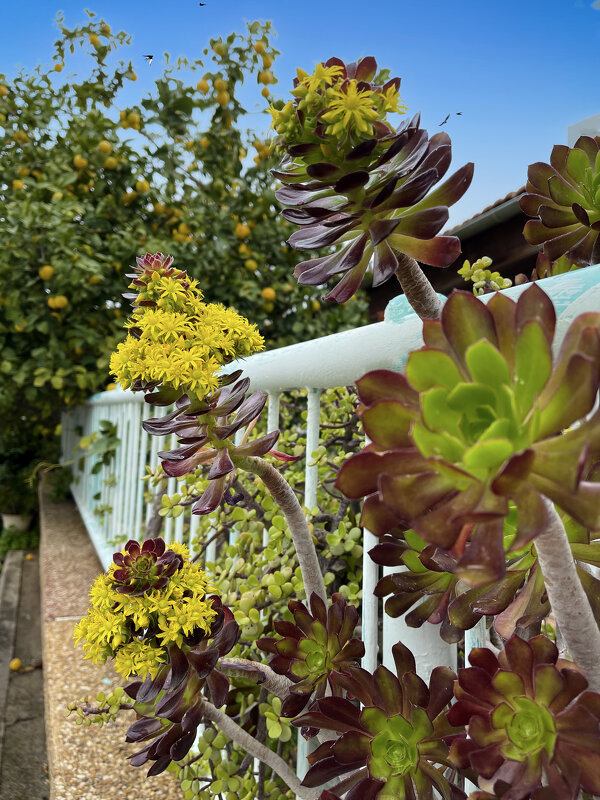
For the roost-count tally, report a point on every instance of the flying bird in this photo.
(459, 113)
(445, 121)
(149, 59)
(201, 4)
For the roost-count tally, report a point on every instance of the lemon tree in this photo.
(88, 182)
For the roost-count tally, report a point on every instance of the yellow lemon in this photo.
(109, 387)
(132, 76)
(142, 186)
(104, 147)
(219, 48)
(3, 91)
(17, 184)
(15, 664)
(105, 29)
(268, 293)
(58, 301)
(203, 86)
(241, 230)
(205, 142)
(259, 47)
(223, 98)
(94, 279)
(159, 208)
(315, 305)
(110, 163)
(46, 272)
(183, 228)
(58, 67)
(133, 118)
(23, 172)
(128, 197)
(57, 196)
(267, 61)
(250, 264)
(266, 77)
(80, 162)
(268, 307)
(220, 85)
(19, 328)
(244, 250)
(94, 40)
(265, 92)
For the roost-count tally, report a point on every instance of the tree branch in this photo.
(287, 501)
(419, 292)
(567, 598)
(254, 748)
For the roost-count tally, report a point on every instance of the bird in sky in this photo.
(149, 59)
(445, 121)
(201, 4)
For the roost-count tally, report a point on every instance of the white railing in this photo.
(332, 361)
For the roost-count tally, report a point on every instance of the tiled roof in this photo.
(493, 205)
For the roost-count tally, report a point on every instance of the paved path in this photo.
(23, 767)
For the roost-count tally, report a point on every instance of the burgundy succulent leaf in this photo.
(399, 736)
(314, 647)
(175, 694)
(484, 418)
(373, 197)
(141, 569)
(529, 723)
(564, 199)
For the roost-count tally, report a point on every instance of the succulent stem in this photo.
(418, 290)
(284, 496)
(258, 750)
(568, 600)
(269, 680)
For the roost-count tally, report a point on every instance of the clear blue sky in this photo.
(520, 71)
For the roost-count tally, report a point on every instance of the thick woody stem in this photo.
(419, 292)
(567, 598)
(261, 673)
(258, 750)
(287, 501)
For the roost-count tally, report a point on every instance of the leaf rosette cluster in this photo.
(314, 646)
(352, 179)
(147, 567)
(395, 744)
(137, 628)
(564, 197)
(431, 585)
(484, 417)
(530, 723)
(170, 704)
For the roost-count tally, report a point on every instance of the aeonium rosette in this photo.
(315, 645)
(169, 633)
(564, 196)
(396, 744)
(352, 179)
(530, 723)
(483, 417)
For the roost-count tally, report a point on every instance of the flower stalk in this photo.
(417, 288)
(287, 501)
(567, 598)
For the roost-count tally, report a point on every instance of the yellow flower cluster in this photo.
(482, 277)
(183, 342)
(346, 105)
(136, 631)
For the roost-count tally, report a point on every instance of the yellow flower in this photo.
(322, 76)
(351, 108)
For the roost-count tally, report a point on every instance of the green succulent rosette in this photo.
(397, 739)
(485, 416)
(530, 722)
(354, 181)
(564, 197)
(315, 645)
(432, 586)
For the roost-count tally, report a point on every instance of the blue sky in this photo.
(520, 71)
